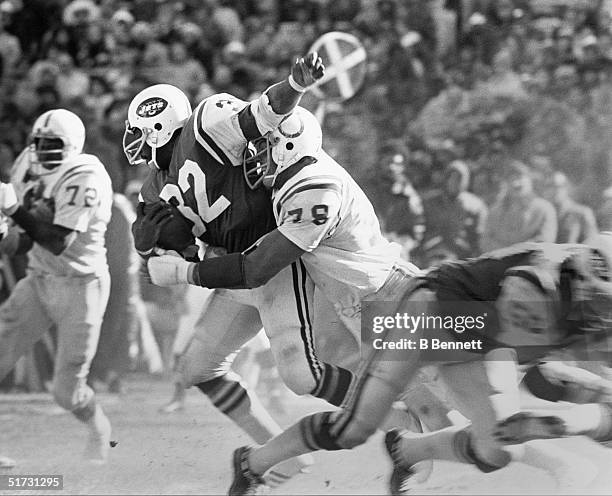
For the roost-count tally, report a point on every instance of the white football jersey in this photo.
(78, 196)
(323, 211)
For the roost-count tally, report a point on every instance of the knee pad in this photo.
(327, 431)
(226, 393)
(465, 450)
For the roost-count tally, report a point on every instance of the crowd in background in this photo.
(481, 123)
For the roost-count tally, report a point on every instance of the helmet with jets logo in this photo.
(56, 136)
(298, 135)
(154, 115)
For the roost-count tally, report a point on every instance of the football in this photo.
(176, 233)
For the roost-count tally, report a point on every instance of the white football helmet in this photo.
(154, 115)
(56, 136)
(298, 135)
(592, 287)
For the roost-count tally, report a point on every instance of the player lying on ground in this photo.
(59, 201)
(321, 219)
(196, 164)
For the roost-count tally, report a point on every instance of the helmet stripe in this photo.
(48, 118)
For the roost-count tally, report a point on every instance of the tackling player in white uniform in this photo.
(323, 217)
(487, 389)
(59, 200)
(196, 162)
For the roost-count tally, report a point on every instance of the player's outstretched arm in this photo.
(250, 269)
(305, 72)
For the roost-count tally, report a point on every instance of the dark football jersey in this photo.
(205, 179)
(529, 279)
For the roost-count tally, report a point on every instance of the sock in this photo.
(242, 406)
(333, 384)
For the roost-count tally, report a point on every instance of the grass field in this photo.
(188, 453)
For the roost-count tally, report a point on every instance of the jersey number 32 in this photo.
(205, 211)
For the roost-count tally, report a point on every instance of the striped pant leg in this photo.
(377, 384)
(286, 309)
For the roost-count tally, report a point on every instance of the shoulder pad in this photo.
(220, 106)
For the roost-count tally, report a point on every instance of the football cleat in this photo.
(527, 426)
(99, 442)
(402, 477)
(245, 482)
(177, 402)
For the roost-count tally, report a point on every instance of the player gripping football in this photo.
(196, 161)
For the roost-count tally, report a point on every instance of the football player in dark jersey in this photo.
(540, 297)
(196, 168)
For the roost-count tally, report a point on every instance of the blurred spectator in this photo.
(74, 36)
(112, 359)
(564, 47)
(94, 50)
(289, 41)
(48, 98)
(10, 49)
(405, 71)
(245, 75)
(404, 217)
(228, 21)
(6, 161)
(576, 222)
(592, 64)
(183, 70)
(519, 215)
(72, 83)
(98, 98)
(454, 215)
(80, 12)
(604, 214)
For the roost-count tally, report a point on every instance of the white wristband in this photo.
(297, 87)
(183, 272)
